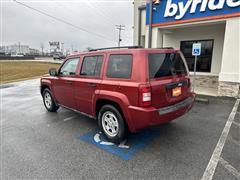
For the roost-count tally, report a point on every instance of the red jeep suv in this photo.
(125, 89)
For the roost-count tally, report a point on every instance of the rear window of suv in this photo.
(119, 66)
(165, 64)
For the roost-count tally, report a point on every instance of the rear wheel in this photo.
(49, 102)
(111, 123)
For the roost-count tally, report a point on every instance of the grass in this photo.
(11, 71)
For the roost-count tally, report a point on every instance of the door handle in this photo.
(92, 85)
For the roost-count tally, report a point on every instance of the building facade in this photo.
(213, 23)
(15, 49)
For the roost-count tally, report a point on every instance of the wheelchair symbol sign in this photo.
(196, 49)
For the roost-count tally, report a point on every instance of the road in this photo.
(47, 59)
(42, 145)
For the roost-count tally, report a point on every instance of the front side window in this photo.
(119, 66)
(92, 66)
(165, 64)
(69, 67)
(204, 60)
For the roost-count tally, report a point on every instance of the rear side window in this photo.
(92, 66)
(165, 64)
(119, 66)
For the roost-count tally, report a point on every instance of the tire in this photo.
(48, 101)
(111, 123)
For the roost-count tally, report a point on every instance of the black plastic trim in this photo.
(176, 107)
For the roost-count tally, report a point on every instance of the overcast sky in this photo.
(21, 24)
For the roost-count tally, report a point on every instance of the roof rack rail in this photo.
(122, 47)
(166, 48)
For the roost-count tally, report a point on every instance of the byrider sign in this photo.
(170, 12)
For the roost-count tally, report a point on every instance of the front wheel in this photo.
(111, 123)
(49, 102)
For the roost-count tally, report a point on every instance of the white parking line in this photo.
(233, 141)
(69, 118)
(211, 167)
(230, 168)
(237, 124)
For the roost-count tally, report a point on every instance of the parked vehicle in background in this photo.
(125, 89)
(17, 55)
(58, 56)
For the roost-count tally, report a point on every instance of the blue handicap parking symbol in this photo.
(126, 149)
(196, 51)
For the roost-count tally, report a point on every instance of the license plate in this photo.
(176, 91)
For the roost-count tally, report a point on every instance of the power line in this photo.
(100, 11)
(95, 10)
(63, 21)
(120, 28)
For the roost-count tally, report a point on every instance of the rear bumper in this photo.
(143, 117)
(176, 107)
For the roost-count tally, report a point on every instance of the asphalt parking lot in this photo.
(42, 145)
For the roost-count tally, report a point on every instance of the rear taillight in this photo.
(145, 95)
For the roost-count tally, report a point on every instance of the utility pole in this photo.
(62, 48)
(19, 49)
(120, 28)
(42, 47)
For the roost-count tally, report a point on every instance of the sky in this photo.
(99, 17)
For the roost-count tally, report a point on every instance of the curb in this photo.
(202, 100)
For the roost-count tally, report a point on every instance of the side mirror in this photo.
(53, 72)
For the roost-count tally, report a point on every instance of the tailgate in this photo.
(169, 91)
(169, 79)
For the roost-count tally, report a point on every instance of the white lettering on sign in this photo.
(180, 9)
(171, 9)
(194, 6)
(233, 3)
(213, 6)
(183, 9)
(203, 6)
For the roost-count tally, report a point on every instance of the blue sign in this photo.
(182, 11)
(126, 149)
(196, 49)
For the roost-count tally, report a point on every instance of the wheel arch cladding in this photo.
(103, 101)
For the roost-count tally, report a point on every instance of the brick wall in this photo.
(206, 81)
(229, 89)
(223, 88)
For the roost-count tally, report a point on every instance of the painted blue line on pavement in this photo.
(136, 142)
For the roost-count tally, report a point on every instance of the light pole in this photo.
(62, 48)
(150, 25)
(151, 4)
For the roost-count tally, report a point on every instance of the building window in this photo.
(204, 60)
